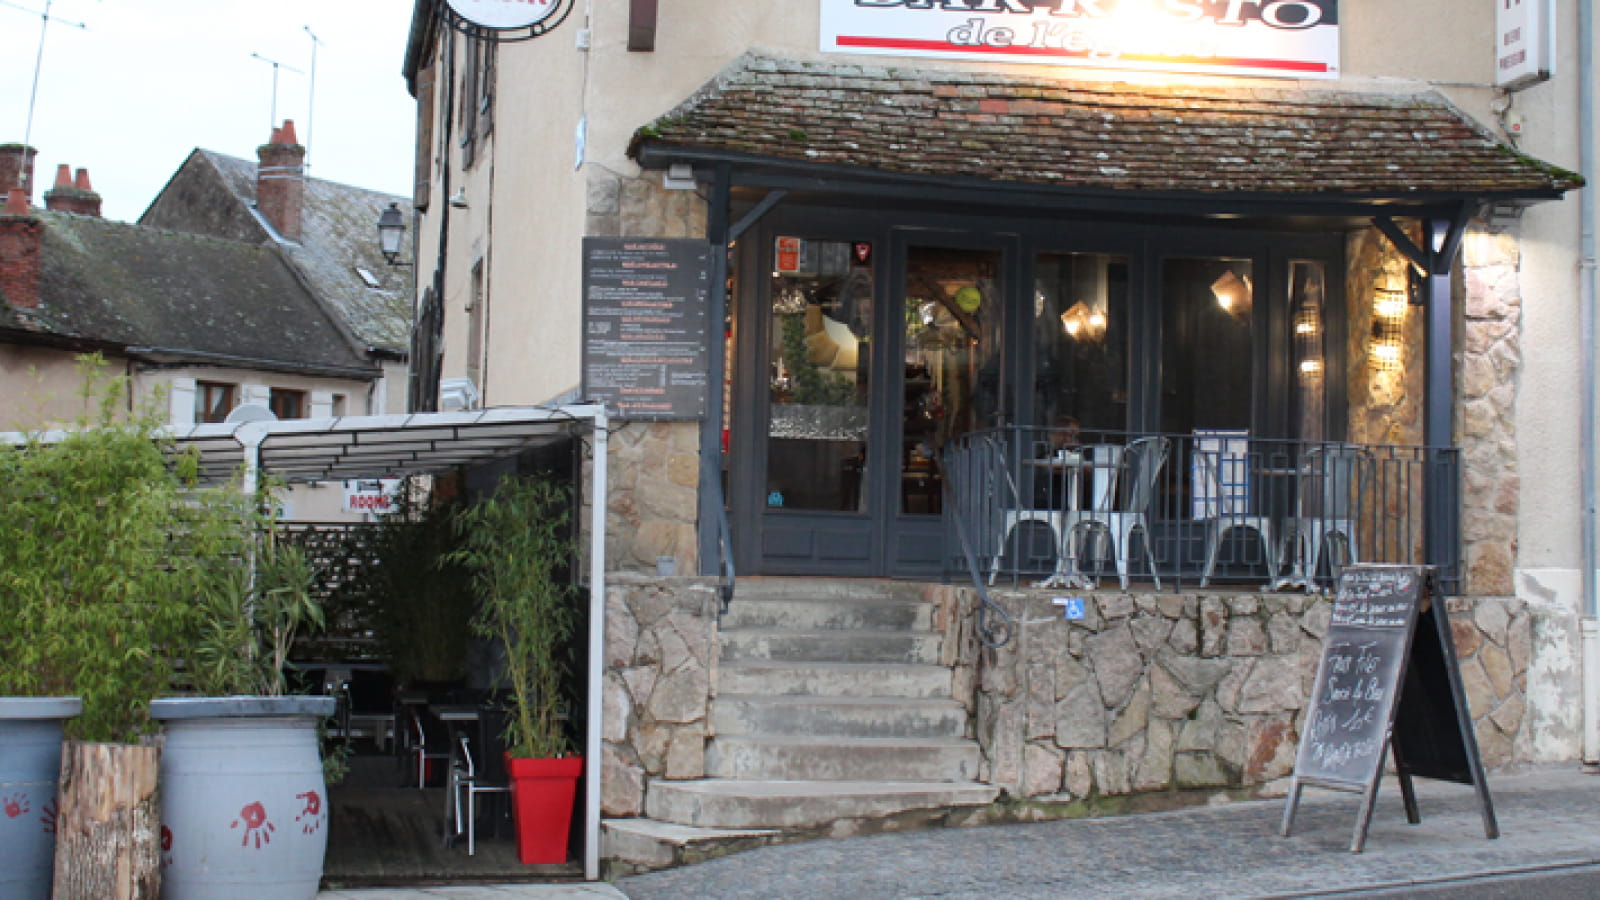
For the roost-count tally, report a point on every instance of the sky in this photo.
(147, 81)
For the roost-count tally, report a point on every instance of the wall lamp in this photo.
(1388, 324)
(391, 233)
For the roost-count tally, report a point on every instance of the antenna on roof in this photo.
(275, 67)
(38, 62)
(311, 102)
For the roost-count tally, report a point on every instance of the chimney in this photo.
(73, 196)
(16, 168)
(281, 182)
(20, 241)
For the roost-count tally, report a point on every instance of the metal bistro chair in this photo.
(468, 779)
(420, 736)
(1136, 472)
(1334, 481)
(1222, 496)
(1046, 503)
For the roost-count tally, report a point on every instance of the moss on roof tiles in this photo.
(1033, 129)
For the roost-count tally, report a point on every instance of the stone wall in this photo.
(1158, 692)
(652, 480)
(661, 651)
(638, 206)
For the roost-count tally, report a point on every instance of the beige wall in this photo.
(40, 388)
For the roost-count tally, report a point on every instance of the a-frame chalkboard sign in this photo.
(1387, 680)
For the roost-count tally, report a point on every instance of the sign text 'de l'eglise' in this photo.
(645, 326)
(1272, 38)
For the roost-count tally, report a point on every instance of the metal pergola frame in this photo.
(303, 451)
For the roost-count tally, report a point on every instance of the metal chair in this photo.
(1133, 475)
(1222, 496)
(467, 781)
(419, 747)
(1333, 485)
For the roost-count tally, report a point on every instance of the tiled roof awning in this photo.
(1096, 137)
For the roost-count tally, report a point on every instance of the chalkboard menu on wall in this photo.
(1387, 679)
(644, 326)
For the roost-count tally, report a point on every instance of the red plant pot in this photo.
(542, 794)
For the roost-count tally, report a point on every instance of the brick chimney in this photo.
(16, 169)
(73, 196)
(281, 181)
(20, 241)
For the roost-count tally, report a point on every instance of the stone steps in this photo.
(822, 679)
(831, 714)
(872, 717)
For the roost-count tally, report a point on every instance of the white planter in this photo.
(244, 810)
(30, 770)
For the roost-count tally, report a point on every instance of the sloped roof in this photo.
(1097, 136)
(338, 236)
(186, 296)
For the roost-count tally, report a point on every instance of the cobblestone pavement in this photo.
(1549, 818)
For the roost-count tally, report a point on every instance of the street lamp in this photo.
(391, 231)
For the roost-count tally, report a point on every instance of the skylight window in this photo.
(368, 277)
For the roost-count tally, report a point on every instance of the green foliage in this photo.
(515, 542)
(110, 561)
(811, 384)
(422, 600)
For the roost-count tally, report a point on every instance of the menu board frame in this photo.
(645, 326)
(1387, 682)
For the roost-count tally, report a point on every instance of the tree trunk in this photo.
(107, 831)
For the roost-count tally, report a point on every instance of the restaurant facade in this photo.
(935, 249)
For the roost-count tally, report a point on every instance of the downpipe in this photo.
(1590, 624)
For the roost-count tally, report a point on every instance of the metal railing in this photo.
(1209, 508)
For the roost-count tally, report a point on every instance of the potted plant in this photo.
(91, 606)
(244, 792)
(422, 603)
(516, 544)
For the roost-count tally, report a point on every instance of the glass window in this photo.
(818, 350)
(1080, 332)
(1307, 288)
(212, 401)
(1206, 350)
(287, 404)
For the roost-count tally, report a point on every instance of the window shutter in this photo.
(424, 174)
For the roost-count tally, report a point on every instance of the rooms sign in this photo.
(1269, 38)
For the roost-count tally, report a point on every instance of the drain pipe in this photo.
(1590, 622)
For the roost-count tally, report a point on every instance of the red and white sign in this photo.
(371, 495)
(1267, 38)
(1523, 38)
(789, 255)
(505, 14)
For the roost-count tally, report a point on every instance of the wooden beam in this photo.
(642, 25)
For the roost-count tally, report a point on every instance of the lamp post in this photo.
(391, 232)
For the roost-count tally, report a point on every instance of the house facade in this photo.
(957, 231)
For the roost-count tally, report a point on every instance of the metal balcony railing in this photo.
(1202, 509)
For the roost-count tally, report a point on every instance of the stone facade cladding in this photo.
(661, 651)
(958, 123)
(1159, 692)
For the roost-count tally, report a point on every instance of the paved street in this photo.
(1549, 821)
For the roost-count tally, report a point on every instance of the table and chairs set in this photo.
(1197, 507)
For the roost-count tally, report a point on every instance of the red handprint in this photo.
(254, 817)
(48, 817)
(312, 812)
(16, 805)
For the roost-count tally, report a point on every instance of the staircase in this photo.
(831, 715)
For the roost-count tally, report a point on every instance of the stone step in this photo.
(630, 846)
(845, 614)
(719, 803)
(886, 646)
(755, 587)
(774, 679)
(841, 759)
(842, 716)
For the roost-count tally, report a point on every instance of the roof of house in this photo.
(182, 296)
(1097, 136)
(213, 193)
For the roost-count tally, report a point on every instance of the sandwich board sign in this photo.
(1387, 683)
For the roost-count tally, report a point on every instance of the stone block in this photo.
(621, 785)
(1272, 686)
(1150, 631)
(1117, 666)
(1042, 769)
(1283, 633)
(1497, 666)
(1246, 637)
(1116, 606)
(1185, 637)
(1213, 627)
(686, 752)
(1081, 719)
(1110, 773)
(1508, 715)
(1198, 770)
(1492, 620)
(1243, 604)
(1069, 673)
(1153, 769)
(1271, 749)
(1477, 686)
(1200, 732)
(1466, 637)
(616, 708)
(1079, 778)
(1169, 699)
(682, 696)
(1132, 719)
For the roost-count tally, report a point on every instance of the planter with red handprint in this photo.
(30, 768)
(242, 797)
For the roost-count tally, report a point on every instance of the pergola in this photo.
(299, 451)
